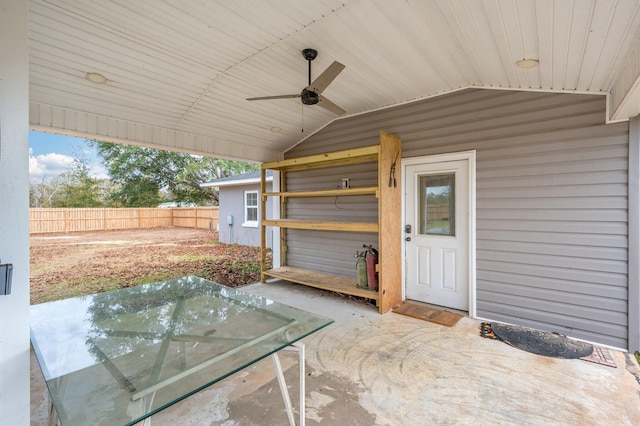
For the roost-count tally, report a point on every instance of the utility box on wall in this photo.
(6, 270)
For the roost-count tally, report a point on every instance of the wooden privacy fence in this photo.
(43, 221)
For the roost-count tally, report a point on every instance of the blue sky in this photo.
(50, 155)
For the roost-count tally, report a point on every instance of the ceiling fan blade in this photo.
(319, 84)
(265, 98)
(330, 106)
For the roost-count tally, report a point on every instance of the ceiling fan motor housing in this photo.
(309, 54)
(308, 97)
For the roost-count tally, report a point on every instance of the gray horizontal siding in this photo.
(551, 202)
(356, 208)
(521, 272)
(557, 226)
(328, 252)
(331, 252)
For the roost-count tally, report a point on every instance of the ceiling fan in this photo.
(311, 94)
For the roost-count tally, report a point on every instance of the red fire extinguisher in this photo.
(372, 261)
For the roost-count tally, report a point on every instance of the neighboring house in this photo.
(239, 208)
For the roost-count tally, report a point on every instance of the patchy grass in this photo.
(198, 257)
(77, 264)
(637, 354)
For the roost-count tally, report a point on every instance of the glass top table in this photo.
(116, 358)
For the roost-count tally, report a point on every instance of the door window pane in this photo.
(436, 201)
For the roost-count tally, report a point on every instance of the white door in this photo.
(437, 233)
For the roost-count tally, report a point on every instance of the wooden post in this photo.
(390, 222)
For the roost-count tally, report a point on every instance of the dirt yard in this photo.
(66, 265)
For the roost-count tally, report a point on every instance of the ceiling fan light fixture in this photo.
(309, 97)
(527, 63)
(96, 78)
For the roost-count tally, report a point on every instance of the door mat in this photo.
(445, 318)
(600, 356)
(537, 342)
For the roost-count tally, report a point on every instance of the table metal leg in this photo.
(53, 415)
(298, 347)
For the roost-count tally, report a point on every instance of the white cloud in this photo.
(97, 171)
(48, 165)
(51, 165)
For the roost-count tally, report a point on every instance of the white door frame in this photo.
(470, 156)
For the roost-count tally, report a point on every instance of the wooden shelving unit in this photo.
(323, 281)
(387, 154)
(368, 190)
(317, 225)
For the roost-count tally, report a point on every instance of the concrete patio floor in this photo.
(371, 369)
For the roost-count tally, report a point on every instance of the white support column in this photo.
(275, 236)
(14, 211)
(634, 235)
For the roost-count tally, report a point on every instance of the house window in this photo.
(250, 208)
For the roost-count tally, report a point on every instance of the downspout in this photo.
(634, 235)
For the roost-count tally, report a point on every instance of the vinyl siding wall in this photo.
(551, 202)
(331, 252)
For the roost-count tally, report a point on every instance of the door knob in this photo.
(408, 239)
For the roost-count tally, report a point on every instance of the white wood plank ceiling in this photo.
(178, 72)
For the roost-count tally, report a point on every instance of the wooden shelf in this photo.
(386, 155)
(322, 281)
(329, 159)
(368, 190)
(322, 225)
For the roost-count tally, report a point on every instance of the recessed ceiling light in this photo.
(527, 63)
(276, 129)
(94, 77)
